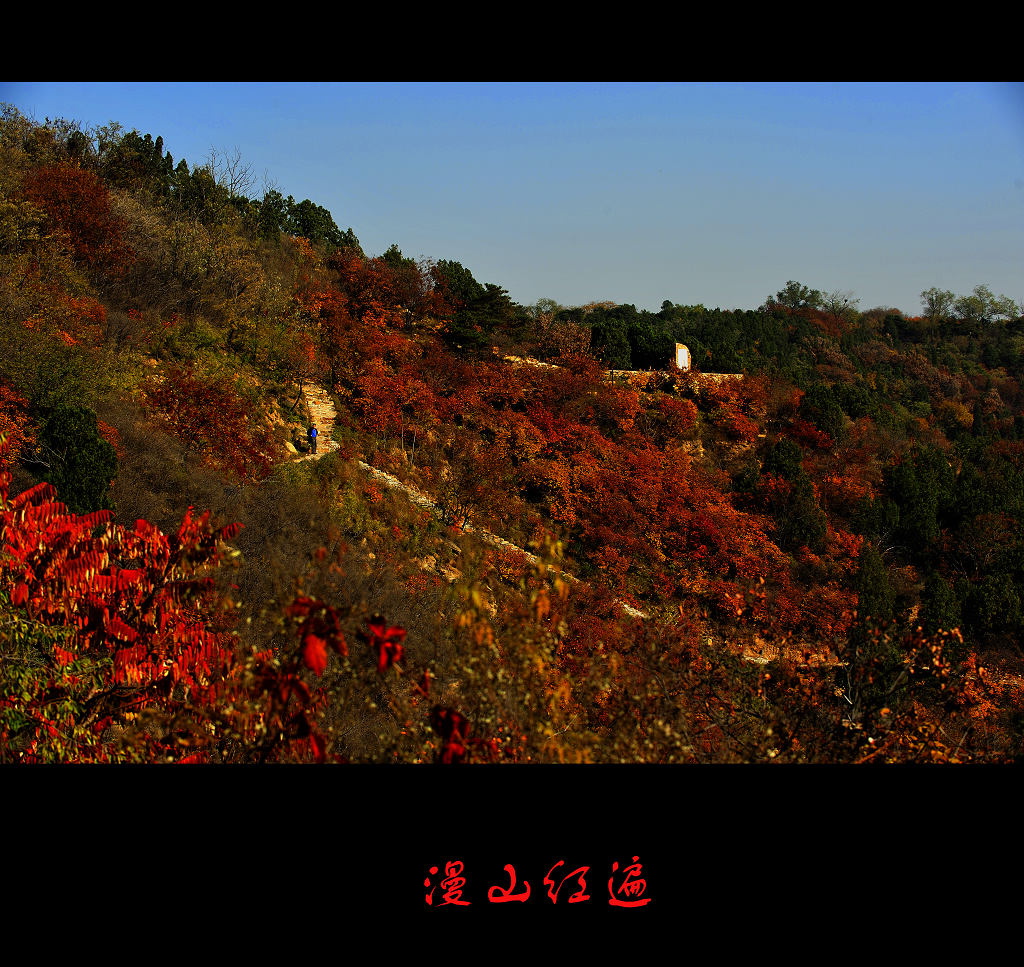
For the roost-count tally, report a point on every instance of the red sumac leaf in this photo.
(314, 653)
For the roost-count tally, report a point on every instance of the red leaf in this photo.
(390, 652)
(314, 653)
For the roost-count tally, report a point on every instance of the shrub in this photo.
(76, 202)
(79, 463)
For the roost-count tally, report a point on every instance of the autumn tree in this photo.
(216, 422)
(77, 202)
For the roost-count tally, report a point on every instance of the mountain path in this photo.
(323, 413)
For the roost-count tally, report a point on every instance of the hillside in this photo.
(525, 535)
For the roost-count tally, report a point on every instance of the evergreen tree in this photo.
(306, 219)
(81, 464)
(940, 608)
(875, 596)
(801, 521)
(921, 487)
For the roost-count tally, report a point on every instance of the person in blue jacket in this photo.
(312, 438)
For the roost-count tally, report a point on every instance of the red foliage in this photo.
(845, 491)
(140, 605)
(736, 424)
(809, 436)
(372, 285)
(136, 598)
(77, 203)
(209, 415)
(453, 727)
(385, 641)
(15, 425)
(110, 434)
(318, 631)
(680, 415)
(350, 333)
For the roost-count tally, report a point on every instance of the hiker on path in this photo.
(312, 437)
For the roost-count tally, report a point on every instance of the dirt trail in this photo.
(322, 410)
(323, 414)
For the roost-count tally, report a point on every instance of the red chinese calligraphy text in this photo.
(631, 886)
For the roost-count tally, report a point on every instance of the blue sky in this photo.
(632, 192)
